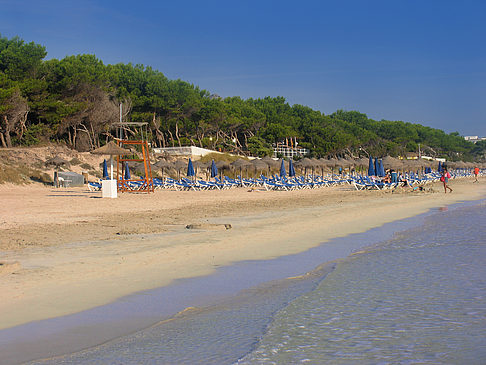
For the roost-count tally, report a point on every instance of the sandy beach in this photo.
(68, 250)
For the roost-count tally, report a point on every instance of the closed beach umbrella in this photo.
(283, 173)
(371, 167)
(127, 172)
(214, 169)
(190, 169)
(105, 169)
(381, 169)
(439, 169)
(291, 169)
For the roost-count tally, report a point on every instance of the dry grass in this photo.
(25, 165)
(22, 175)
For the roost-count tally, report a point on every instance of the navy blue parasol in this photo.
(381, 169)
(371, 167)
(214, 169)
(127, 172)
(283, 173)
(291, 169)
(190, 169)
(105, 170)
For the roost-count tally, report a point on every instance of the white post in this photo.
(109, 187)
(111, 167)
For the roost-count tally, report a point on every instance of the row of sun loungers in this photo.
(288, 183)
(268, 183)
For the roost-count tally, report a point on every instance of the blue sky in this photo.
(413, 60)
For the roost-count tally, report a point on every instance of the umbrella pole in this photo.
(111, 167)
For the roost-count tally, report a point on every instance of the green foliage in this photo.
(36, 134)
(19, 60)
(75, 100)
(258, 147)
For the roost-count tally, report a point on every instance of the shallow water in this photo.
(419, 297)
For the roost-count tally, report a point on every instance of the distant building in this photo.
(188, 151)
(414, 156)
(411, 156)
(474, 139)
(289, 148)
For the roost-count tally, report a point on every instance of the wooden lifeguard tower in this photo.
(144, 183)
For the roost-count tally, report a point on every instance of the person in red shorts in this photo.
(476, 173)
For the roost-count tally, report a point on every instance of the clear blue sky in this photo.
(413, 60)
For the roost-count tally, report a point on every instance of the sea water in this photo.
(416, 298)
(419, 298)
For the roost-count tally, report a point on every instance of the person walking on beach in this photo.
(476, 173)
(445, 179)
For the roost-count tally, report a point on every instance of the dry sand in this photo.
(67, 250)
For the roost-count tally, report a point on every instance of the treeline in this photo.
(76, 100)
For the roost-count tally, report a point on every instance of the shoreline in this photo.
(57, 280)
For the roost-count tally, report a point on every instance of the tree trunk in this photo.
(74, 138)
(23, 127)
(6, 141)
(171, 137)
(177, 134)
(200, 138)
(2, 138)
